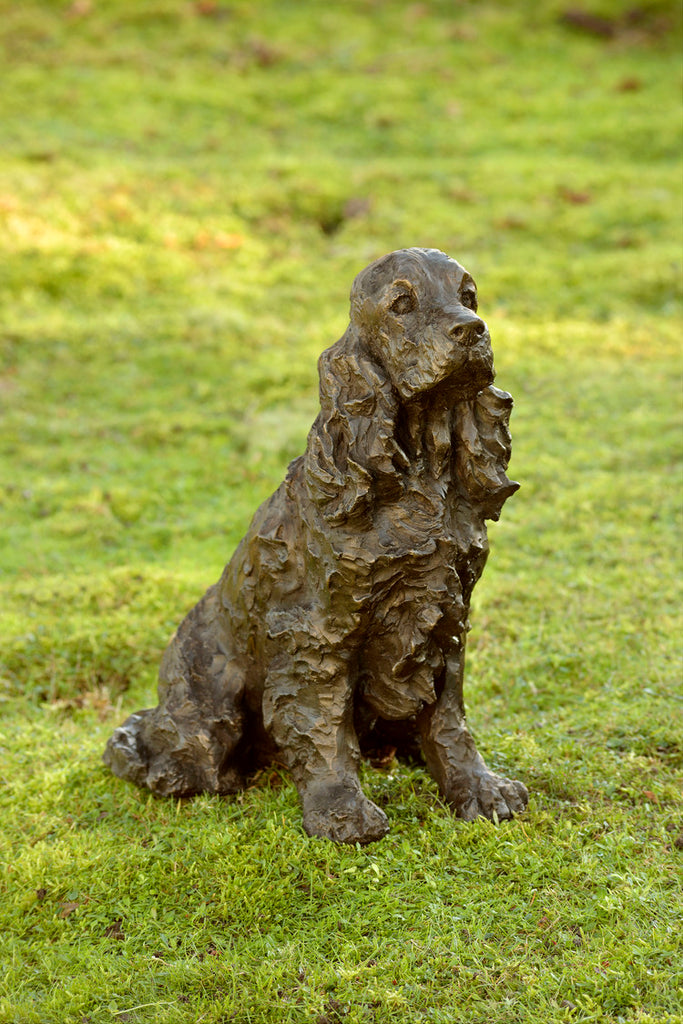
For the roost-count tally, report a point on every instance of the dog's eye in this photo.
(403, 303)
(469, 299)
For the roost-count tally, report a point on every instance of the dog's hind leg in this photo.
(308, 710)
(187, 744)
(465, 782)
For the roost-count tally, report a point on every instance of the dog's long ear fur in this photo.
(351, 446)
(482, 439)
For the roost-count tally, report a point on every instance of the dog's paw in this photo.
(487, 795)
(342, 813)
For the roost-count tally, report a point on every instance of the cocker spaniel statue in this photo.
(338, 626)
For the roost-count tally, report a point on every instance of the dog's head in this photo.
(414, 333)
(416, 311)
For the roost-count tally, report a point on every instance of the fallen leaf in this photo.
(571, 196)
(629, 84)
(68, 908)
(114, 931)
(263, 53)
(207, 8)
(593, 24)
(510, 223)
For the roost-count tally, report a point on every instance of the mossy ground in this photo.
(187, 190)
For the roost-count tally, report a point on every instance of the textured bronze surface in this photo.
(338, 626)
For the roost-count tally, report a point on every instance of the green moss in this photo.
(187, 191)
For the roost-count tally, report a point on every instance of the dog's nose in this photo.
(468, 333)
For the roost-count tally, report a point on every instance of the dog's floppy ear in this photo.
(483, 446)
(351, 447)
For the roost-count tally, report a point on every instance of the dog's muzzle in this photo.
(469, 333)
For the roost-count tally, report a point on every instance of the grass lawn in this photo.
(187, 190)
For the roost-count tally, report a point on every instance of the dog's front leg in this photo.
(465, 782)
(308, 710)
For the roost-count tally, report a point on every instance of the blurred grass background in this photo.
(186, 193)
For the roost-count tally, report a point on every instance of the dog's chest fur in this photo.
(411, 576)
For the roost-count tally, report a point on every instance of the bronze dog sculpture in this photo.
(339, 624)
